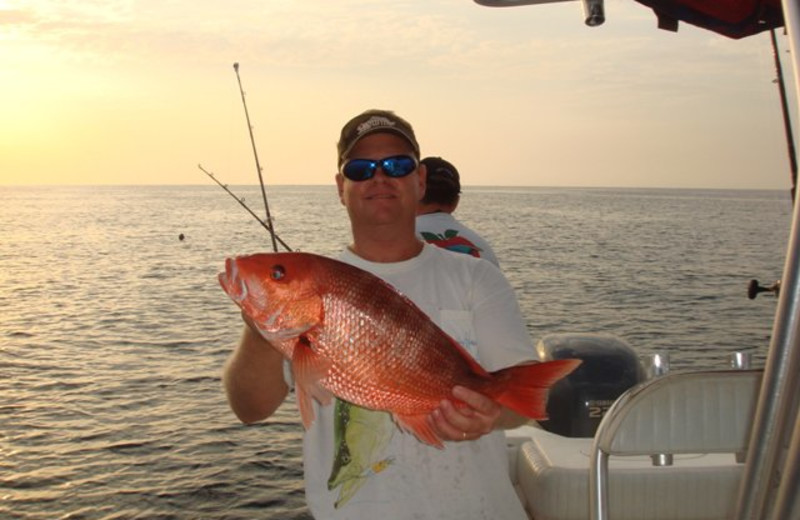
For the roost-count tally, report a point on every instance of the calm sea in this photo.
(113, 331)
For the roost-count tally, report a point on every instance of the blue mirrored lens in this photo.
(363, 169)
(359, 169)
(399, 166)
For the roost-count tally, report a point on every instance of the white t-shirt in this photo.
(384, 473)
(443, 230)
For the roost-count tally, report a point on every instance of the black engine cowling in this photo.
(578, 402)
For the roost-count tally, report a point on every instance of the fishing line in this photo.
(258, 165)
(240, 200)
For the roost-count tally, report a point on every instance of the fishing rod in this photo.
(787, 125)
(241, 201)
(258, 165)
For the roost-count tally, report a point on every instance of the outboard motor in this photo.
(578, 402)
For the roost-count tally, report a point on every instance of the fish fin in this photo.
(418, 425)
(305, 406)
(525, 387)
(308, 369)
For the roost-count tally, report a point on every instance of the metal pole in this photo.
(777, 403)
(598, 487)
(788, 502)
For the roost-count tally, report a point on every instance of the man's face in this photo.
(381, 199)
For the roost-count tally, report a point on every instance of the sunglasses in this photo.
(362, 169)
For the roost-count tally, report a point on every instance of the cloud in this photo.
(451, 38)
(11, 18)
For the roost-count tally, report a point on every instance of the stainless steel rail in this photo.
(764, 480)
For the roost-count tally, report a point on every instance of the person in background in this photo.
(435, 221)
(365, 467)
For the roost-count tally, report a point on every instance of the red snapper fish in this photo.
(350, 334)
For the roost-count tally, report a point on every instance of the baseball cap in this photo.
(371, 122)
(443, 181)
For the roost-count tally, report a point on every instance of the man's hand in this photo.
(480, 416)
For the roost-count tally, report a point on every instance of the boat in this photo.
(629, 439)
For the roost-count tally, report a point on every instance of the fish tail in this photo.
(524, 387)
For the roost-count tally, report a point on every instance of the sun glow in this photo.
(127, 92)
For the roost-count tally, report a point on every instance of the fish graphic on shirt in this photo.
(361, 437)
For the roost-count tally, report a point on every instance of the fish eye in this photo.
(278, 272)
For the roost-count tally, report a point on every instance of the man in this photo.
(358, 464)
(435, 221)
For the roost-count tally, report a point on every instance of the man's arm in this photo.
(253, 378)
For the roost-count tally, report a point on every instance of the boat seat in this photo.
(701, 418)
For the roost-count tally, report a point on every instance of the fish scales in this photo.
(388, 346)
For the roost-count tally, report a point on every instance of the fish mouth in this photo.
(231, 282)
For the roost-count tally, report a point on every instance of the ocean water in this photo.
(113, 331)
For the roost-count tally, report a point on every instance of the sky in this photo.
(144, 91)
